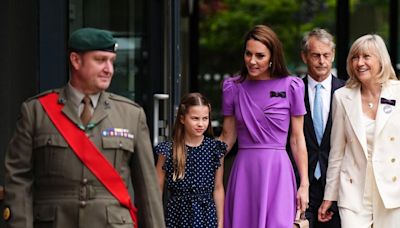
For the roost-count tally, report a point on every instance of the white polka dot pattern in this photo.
(191, 202)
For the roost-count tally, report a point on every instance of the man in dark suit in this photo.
(318, 51)
(51, 182)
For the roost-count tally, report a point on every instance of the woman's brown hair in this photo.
(268, 37)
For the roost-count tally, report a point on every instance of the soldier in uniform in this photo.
(47, 184)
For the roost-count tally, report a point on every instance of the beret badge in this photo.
(6, 213)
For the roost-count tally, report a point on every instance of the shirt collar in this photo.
(76, 96)
(326, 84)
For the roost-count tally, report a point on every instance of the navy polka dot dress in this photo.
(191, 202)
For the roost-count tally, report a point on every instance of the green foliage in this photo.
(224, 24)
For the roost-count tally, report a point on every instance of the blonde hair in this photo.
(179, 148)
(374, 44)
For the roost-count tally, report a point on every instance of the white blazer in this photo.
(345, 179)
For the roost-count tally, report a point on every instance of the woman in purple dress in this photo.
(259, 105)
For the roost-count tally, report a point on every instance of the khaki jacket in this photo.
(345, 179)
(48, 186)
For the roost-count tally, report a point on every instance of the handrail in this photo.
(157, 98)
(1, 193)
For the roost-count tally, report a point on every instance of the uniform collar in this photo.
(76, 96)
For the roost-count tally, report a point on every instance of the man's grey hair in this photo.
(321, 35)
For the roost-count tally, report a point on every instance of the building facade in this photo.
(157, 57)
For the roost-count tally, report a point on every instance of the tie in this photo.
(86, 114)
(318, 123)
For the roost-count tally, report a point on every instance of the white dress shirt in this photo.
(325, 94)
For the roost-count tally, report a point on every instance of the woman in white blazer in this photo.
(363, 173)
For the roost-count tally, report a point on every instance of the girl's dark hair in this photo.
(178, 138)
(268, 37)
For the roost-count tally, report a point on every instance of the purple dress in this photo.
(262, 187)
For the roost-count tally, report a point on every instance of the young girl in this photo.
(192, 165)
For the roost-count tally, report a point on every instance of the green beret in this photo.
(92, 39)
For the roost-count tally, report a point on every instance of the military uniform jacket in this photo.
(48, 186)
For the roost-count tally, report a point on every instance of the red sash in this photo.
(88, 153)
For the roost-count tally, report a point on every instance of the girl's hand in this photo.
(302, 198)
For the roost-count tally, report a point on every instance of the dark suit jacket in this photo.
(316, 152)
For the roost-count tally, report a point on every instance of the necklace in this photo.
(370, 105)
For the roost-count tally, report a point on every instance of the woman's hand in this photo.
(324, 215)
(299, 150)
(228, 134)
(302, 198)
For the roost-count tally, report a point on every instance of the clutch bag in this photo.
(300, 220)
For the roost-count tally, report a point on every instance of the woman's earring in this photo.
(270, 64)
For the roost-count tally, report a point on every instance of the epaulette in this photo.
(116, 97)
(44, 93)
